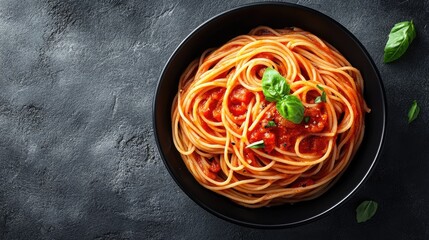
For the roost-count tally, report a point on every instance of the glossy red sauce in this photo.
(212, 105)
(282, 135)
(285, 133)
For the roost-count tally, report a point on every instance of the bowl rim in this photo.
(382, 99)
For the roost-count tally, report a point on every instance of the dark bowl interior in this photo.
(218, 31)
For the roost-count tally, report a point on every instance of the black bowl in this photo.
(241, 20)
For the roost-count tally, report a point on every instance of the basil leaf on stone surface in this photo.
(366, 210)
(274, 85)
(291, 108)
(413, 112)
(257, 144)
(400, 38)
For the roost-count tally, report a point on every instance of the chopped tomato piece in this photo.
(211, 107)
(313, 144)
(238, 109)
(318, 119)
(250, 157)
(210, 174)
(269, 141)
(214, 166)
(240, 95)
(217, 112)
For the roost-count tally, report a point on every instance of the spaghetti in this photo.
(220, 110)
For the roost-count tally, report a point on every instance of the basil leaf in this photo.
(400, 37)
(306, 119)
(321, 98)
(274, 86)
(318, 99)
(366, 211)
(413, 112)
(291, 108)
(271, 124)
(258, 144)
(276, 89)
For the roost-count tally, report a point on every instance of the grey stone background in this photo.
(78, 158)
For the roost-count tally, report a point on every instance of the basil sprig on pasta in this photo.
(258, 144)
(276, 89)
(274, 85)
(321, 98)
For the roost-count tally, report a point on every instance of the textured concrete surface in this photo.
(77, 153)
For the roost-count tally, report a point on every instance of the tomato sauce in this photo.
(273, 129)
(239, 99)
(211, 107)
(285, 133)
